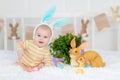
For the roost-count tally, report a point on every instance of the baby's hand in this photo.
(41, 65)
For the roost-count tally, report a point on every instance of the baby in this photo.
(34, 54)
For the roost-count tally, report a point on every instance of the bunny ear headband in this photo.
(47, 17)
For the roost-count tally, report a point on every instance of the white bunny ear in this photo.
(48, 14)
(60, 22)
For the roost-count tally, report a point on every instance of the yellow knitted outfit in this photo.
(33, 55)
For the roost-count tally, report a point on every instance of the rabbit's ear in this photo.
(11, 25)
(60, 22)
(73, 43)
(87, 22)
(48, 14)
(112, 9)
(16, 25)
(82, 21)
(117, 9)
(83, 45)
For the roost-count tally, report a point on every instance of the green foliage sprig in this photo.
(60, 47)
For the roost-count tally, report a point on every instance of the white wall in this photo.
(36, 8)
(65, 8)
(12, 8)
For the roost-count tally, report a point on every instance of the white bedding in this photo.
(11, 71)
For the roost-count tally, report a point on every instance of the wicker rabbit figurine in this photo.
(116, 14)
(14, 31)
(84, 27)
(89, 57)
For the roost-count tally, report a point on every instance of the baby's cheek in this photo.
(47, 41)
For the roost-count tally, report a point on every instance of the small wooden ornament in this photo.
(84, 26)
(115, 13)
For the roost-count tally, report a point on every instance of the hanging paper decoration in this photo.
(101, 21)
(115, 13)
(29, 32)
(68, 29)
(13, 31)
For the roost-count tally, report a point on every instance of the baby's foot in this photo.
(29, 69)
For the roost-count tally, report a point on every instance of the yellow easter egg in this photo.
(80, 71)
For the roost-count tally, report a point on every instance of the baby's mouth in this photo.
(40, 42)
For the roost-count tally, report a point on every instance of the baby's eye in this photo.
(38, 35)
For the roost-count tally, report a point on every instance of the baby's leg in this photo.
(28, 69)
(19, 58)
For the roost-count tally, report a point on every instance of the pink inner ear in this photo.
(84, 45)
(87, 22)
(16, 25)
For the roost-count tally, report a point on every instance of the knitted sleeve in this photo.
(21, 45)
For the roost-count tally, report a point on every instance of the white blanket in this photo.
(11, 71)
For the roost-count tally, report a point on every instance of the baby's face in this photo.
(42, 37)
